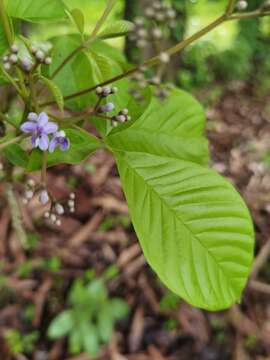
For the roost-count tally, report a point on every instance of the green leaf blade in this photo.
(194, 228)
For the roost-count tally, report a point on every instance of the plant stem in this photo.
(106, 13)
(16, 216)
(249, 15)
(171, 51)
(13, 141)
(6, 23)
(44, 168)
(230, 7)
(67, 60)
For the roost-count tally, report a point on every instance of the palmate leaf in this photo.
(37, 10)
(194, 228)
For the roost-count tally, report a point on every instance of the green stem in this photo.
(67, 60)
(44, 168)
(230, 7)
(6, 23)
(249, 15)
(16, 216)
(171, 51)
(13, 141)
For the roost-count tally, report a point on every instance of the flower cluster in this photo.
(40, 128)
(26, 62)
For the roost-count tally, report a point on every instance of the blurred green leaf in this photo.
(116, 29)
(16, 155)
(37, 10)
(54, 89)
(61, 325)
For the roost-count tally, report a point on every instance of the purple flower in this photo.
(59, 139)
(40, 129)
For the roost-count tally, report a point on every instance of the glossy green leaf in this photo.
(54, 89)
(37, 10)
(61, 325)
(105, 323)
(82, 145)
(116, 29)
(173, 128)
(16, 155)
(194, 228)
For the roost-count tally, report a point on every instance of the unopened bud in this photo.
(14, 48)
(106, 108)
(44, 197)
(32, 116)
(29, 194)
(13, 58)
(59, 209)
(40, 55)
(7, 66)
(48, 61)
(164, 57)
(241, 5)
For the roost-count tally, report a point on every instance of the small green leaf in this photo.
(116, 29)
(37, 10)
(61, 325)
(16, 155)
(89, 334)
(54, 89)
(82, 144)
(105, 323)
(119, 308)
(78, 18)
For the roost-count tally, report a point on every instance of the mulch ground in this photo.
(99, 234)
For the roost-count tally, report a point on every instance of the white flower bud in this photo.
(13, 58)
(71, 203)
(31, 183)
(121, 118)
(5, 58)
(150, 12)
(106, 91)
(34, 50)
(29, 194)
(7, 66)
(171, 13)
(99, 90)
(53, 218)
(14, 48)
(40, 55)
(139, 21)
(44, 197)
(142, 33)
(141, 43)
(32, 116)
(72, 196)
(157, 33)
(47, 215)
(242, 5)
(107, 108)
(59, 209)
(58, 222)
(164, 57)
(48, 60)
(124, 112)
(26, 64)
(72, 210)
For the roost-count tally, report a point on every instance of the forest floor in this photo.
(99, 234)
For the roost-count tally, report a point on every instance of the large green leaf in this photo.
(194, 228)
(173, 128)
(61, 325)
(82, 145)
(37, 10)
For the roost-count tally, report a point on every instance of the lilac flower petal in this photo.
(50, 128)
(53, 145)
(42, 119)
(35, 141)
(29, 127)
(43, 142)
(66, 145)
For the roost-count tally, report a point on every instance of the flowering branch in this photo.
(171, 51)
